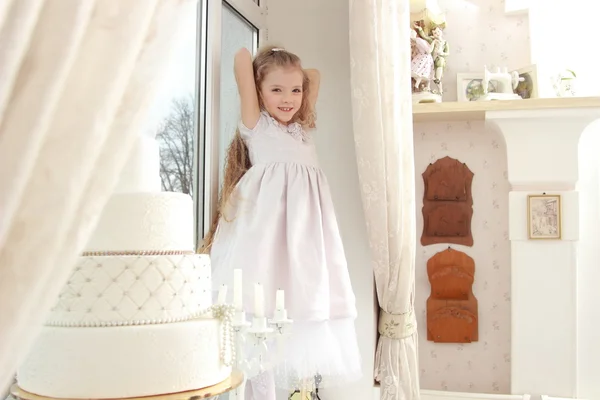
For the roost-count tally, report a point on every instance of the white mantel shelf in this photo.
(476, 110)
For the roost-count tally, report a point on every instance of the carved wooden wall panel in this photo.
(447, 203)
(452, 315)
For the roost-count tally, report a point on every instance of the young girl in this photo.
(277, 223)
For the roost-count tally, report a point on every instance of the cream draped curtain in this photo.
(75, 79)
(382, 117)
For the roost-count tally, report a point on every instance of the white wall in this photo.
(317, 30)
(479, 34)
(552, 48)
(487, 361)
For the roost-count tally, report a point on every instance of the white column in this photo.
(542, 152)
(588, 266)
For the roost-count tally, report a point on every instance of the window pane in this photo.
(236, 33)
(172, 116)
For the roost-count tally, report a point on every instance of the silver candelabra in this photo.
(252, 353)
(251, 340)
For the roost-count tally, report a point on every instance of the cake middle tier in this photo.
(155, 222)
(134, 290)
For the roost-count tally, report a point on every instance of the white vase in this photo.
(568, 87)
(564, 84)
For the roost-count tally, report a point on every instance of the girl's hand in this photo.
(244, 76)
(314, 77)
(243, 52)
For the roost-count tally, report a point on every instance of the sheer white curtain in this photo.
(382, 117)
(75, 79)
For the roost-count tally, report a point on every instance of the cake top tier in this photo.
(142, 170)
(160, 223)
(138, 218)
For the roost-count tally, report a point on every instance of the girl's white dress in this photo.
(280, 228)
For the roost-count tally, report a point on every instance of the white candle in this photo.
(280, 300)
(222, 294)
(259, 301)
(237, 289)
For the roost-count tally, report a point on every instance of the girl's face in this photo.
(281, 92)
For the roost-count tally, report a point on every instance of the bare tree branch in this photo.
(176, 138)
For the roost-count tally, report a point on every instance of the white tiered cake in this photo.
(134, 318)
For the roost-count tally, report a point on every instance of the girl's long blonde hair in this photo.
(237, 161)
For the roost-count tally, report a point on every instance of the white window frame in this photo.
(209, 89)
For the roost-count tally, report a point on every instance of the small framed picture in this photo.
(544, 216)
(469, 88)
(528, 87)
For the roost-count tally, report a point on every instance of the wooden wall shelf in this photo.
(476, 110)
(452, 315)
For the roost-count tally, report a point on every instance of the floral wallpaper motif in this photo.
(482, 366)
(479, 33)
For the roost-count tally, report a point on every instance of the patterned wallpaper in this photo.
(482, 366)
(480, 34)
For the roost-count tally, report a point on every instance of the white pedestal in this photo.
(542, 152)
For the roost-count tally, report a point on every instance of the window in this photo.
(228, 26)
(172, 114)
(195, 111)
(236, 33)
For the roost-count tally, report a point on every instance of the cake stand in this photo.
(233, 381)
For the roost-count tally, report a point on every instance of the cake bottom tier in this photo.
(120, 362)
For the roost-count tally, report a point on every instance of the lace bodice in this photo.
(273, 142)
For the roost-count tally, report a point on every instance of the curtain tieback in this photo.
(397, 326)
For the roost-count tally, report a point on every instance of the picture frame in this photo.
(468, 86)
(544, 216)
(529, 88)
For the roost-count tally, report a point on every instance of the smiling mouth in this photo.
(286, 109)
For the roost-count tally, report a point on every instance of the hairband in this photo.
(277, 49)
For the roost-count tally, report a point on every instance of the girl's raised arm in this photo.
(313, 89)
(244, 76)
